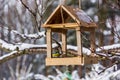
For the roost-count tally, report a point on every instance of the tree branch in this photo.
(15, 54)
(26, 36)
(34, 14)
(31, 36)
(24, 48)
(28, 8)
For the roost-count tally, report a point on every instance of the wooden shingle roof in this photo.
(66, 16)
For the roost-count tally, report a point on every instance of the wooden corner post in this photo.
(64, 41)
(49, 42)
(79, 41)
(79, 44)
(92, 40)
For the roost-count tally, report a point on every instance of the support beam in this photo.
(64, 41)
(72, 61)
(92, 40)
(49, 42)
(79, 40)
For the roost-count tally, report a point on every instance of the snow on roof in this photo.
(76, 14)
(83, 16)
(79, 14)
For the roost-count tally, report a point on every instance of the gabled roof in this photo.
(69, 15)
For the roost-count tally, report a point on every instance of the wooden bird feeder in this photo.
(65, 18)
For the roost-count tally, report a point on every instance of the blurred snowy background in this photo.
(20, 28)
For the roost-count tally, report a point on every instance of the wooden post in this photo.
(79, 41)
(92, 40)
(49, 42)
(64, 41)
(79, 45)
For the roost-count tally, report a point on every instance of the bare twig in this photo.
(115, 32)
(115, 63)
(34, 14)
(25, 36)
(28, 8)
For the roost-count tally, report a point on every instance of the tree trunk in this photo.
(101, 38)
(112, 29)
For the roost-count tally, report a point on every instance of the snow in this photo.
(117, 23)
(108, 24)
(36, 35)
(12, 2)
(85, 50)
(19, 7)
(4, 56)
(41, 77)
(96, 19)
(60, 76)
(91, 11)
(105, 75)
(26, 77)
(75, 75)
(7, 45)
(114, 46)
(26, 36)
(108, 74)
(107, 32)
(22, 46)
(93, 1)
(30, 36)
(93, 75)
(62, 2)
(83, 16)
(6, 9)
(116, 74)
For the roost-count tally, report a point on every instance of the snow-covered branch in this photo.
(109, 48)
(19, 49)
(24, 48)
(18, 46)
(26, 36)
(30, 36)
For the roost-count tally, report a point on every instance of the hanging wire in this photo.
(79, 4)
(62, 2)
(98, 4)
